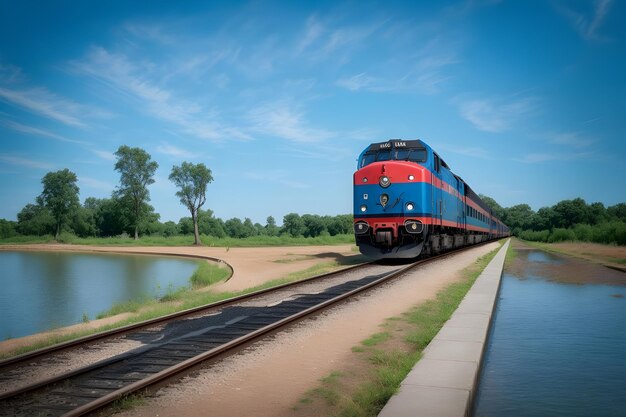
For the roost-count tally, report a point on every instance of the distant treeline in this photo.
(566, 220)
(107, 217)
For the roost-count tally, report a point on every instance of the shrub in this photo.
(561, 235)
(535, 236)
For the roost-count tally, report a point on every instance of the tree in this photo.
(270, 228)
(313, 225)
(496, 208)
(136, 171)
(571, 212)
(293, 224)
(234, 228)
(208, 224)
(35, 220)
(192, 180)
(7, 228)
(60, 196)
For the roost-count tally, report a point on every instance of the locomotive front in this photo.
(392, 198)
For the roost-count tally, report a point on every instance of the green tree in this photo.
(136, 171)
(208, 224)
(617, 212)
(313, 225)
(60, 196)
(234, 228)
(270, 227)
(83, 223)
(7, 228)
(35, 219)
(170, 229)
(192, 180)
(496, 208)
(293, 225)
(110, 215)
(571, 212)
(248, 228)
(518, 217)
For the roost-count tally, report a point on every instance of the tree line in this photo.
(128, 212)
(566, 220)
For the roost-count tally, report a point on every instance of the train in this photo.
(408, 203)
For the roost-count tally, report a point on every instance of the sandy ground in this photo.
(269, 378)
(251, 266)
(606, 254)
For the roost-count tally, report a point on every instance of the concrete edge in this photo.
(443, 382)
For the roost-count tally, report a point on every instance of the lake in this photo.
(557, 345)
(44, 290)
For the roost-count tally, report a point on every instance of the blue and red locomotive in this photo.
(408, 202)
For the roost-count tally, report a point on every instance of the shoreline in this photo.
(242, 262)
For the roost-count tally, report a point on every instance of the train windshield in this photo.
(417, 155)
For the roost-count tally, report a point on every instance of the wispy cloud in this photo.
(44, 103)
(588, 23)
(357, 82)
(118, 72)
(30, 130)
(572, 139)
(10, 74)
(24, 162)
(167, 149)
(495, 115)
(106, 155)
(322, 39)
(423, 71)
(95, 183)
(284, 121)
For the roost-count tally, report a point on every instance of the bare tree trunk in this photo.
(136, 232)
(196, 234)
(56, 237)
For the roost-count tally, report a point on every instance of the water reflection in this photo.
(43, 290)
(556, 346)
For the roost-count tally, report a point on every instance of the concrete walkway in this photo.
(442, 383)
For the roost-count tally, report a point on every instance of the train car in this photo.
(407, 203)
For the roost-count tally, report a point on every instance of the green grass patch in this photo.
(127, 402)
(389, 356)
(208, 274)
(511, 255)
(375, 339)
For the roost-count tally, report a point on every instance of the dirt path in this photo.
(252, 267)
(270, 377)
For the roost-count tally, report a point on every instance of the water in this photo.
(44, 290)
(556, 348)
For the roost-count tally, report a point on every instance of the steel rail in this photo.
(176, 369)
(29, 356)
(225, 347)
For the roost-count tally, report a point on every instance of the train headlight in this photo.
(411, 177)
(364, 179)
(384, 181)
(409, 206)
(363, 208)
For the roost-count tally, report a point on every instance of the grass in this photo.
(596, 257)
(377, 338)
(387, 357)
(186, 240)
(511, 255)
(208, 274)
(182, 299)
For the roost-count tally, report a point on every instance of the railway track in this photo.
(177, 343)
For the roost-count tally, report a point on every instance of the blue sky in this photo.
(524, 100)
